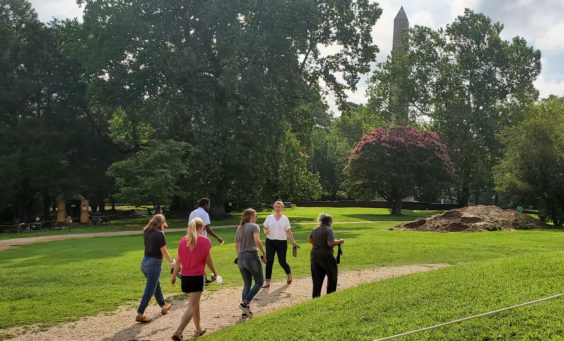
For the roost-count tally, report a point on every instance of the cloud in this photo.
(60, 9)
(539, 22)
(549, 87)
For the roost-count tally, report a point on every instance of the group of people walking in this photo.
(194, 254)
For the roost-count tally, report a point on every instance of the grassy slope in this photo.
(407, 303)
(37, 279)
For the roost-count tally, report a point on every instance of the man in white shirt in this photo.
(202, 213)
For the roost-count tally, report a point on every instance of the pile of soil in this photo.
(474, 219)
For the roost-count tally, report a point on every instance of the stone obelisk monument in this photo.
(401, 25)
(399, 49)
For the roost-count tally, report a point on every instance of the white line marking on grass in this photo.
(470, 317)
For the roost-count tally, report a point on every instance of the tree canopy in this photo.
(532, 168)
(469, 84)
(396, 164)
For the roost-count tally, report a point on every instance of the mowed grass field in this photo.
(61, 281)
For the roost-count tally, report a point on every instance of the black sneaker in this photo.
(245, 308)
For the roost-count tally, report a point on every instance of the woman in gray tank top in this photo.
(247, 244)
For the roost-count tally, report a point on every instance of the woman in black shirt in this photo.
(323, 263)
(155, 250)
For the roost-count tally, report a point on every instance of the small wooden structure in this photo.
(75, 206)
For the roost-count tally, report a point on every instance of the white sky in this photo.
(538, 21)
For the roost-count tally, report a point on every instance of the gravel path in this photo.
(219, 309)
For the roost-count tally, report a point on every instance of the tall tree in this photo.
(40, 106)
(532, 168)
(470, 84)
(152, 175)
(229, 78)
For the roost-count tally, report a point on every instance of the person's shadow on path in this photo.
(265, 297)
(131, 333)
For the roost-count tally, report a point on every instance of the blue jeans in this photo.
(151, 268)
(250, 267)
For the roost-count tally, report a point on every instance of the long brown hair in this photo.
(156, 223)
(192, 232)
(247, 215)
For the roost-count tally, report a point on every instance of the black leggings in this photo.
(273, 247)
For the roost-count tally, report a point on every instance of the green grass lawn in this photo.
(296, 215)
(60, 281)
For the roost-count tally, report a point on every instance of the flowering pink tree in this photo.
(396, 164)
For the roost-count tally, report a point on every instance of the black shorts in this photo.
(193, 283)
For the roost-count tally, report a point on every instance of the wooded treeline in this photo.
(162, 102)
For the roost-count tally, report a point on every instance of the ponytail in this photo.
(325, 219)
(247, 215)
(192, 232)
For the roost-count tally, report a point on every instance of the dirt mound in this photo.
(474, 219)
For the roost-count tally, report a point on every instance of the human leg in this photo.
(159, 293)
(270, 252)
(317, 277)
(197, 313)
(281, 250)
(330, 266)
(151, 268)
(193, 301)
(246, 274)
(252, 264)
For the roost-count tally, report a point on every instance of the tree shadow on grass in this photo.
(383, 217)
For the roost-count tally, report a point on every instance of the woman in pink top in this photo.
(193, 255)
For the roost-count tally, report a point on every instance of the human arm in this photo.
(166, 255)
(288, 230)
(335, 242)
(331, 241)
(209, 263)
(290, 236)
(213, 234)
(175, 271)
(256, 237)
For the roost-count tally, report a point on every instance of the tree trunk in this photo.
(464, 197)
(477, 199)
(46, 207)
(496, 197)
(396, 207)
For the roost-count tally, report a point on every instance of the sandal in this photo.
(289, 281)
(198, 334)
(176, 337)
(165, 308)
(266, 285)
